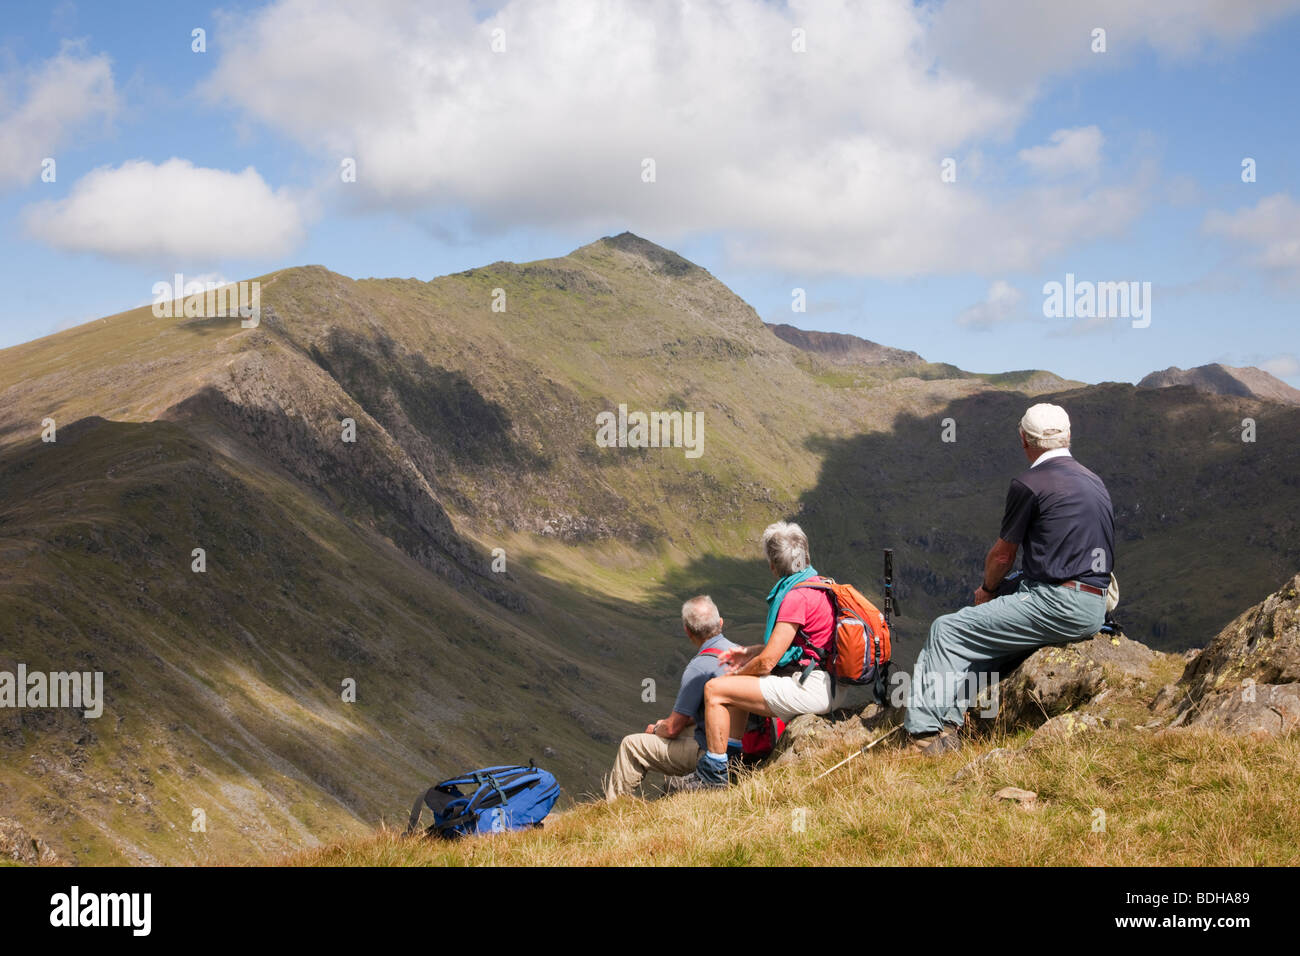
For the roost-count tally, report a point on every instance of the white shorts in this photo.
(787, 698)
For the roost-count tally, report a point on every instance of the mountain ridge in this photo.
(842, 348)
(1247, 382)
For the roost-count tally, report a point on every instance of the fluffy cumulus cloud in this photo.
(1002, 304)
(42, 108)
(1269, 231)
(169, 211)
(811, 134)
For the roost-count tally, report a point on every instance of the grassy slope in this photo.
(223, 689)
(1189, 799)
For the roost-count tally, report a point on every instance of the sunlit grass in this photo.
(1112, 798)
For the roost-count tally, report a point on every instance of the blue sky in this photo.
(776, 168)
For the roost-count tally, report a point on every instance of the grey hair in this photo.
(1061, 440)
(786, 546)
(700, 617)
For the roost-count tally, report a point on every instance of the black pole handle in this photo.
(891, 603)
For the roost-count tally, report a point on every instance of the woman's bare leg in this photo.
(725, 696)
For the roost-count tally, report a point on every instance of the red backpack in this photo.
(859, 651)
(761, 735)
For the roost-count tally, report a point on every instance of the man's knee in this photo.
(940, 633)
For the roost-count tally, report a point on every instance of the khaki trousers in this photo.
(640, 753)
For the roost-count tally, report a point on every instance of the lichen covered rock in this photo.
(1060, 677)
(1247, 680)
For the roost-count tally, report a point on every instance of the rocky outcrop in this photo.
(1268, 710)
(1262, 645)
(844, 729)
(17, 844)
(1044, 691)
(1056, 679)
(1247, 680)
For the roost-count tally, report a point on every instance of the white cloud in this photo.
(173, 210)
(64, 95)
(1001, 305)
(826, 160)
(1009, 45)
(1068, 151)
(1270, 230)
(1283, 366)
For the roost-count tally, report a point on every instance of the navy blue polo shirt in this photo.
(1060, 514)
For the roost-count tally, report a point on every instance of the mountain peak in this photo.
(661, 260)
(1216, 379)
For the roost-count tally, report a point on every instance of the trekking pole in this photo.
(891, 603)
(857, 753)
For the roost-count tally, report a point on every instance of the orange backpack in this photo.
(859, 651)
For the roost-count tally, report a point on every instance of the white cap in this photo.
(1045, 421)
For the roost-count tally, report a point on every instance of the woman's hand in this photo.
(734, 660)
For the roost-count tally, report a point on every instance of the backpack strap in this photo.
(416, 810)
(823, 584)
(488, 780)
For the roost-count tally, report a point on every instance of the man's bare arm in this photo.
(1000, 559)
(671, 726)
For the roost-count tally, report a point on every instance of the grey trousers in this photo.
(984, 639)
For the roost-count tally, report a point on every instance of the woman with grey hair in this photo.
(780, 677)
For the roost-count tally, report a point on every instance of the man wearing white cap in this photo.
(1060, 513)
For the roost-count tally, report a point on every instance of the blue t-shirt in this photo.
(1061, 515)
(701, 669)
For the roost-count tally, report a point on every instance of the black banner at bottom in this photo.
(216, 906)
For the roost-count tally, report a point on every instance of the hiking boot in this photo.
(947, 740)
(711, 775)
(689, 781)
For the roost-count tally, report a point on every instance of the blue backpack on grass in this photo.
(490, 800)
